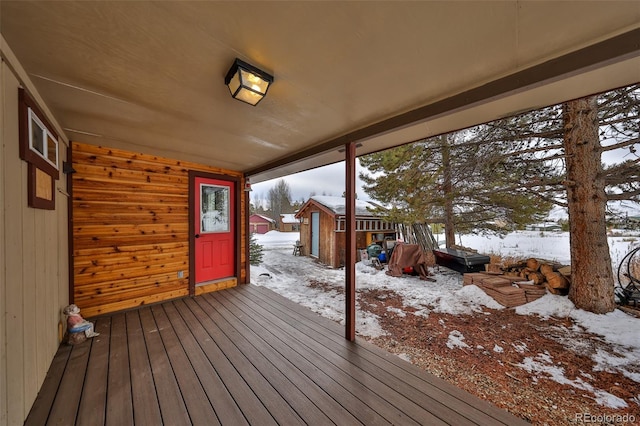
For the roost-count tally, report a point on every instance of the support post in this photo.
(350, 250)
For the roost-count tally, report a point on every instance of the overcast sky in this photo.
(327, 180)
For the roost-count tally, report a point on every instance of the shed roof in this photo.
(268, 219)
(337, 205)
(289, 218)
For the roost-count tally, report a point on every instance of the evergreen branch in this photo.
(623, 196)
(620, 145)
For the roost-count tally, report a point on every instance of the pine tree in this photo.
(279, 200)
(591, 274)
(255, 251)
(451, 179)
(511, 170)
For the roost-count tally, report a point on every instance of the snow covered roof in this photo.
(289, 218)
(337, 205)
(268, 219)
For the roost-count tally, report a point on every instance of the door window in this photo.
(214, 209)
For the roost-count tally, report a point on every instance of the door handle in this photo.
(197, 235)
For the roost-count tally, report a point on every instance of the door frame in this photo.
(193, 174)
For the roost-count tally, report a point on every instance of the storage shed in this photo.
(322, 228)
(289, 223)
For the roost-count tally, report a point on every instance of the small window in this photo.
(39, 148)
(41, 141)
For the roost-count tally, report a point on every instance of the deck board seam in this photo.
(366, 378)
(249, 356)
(259, 385)
(139, 353)
(257, 359)
(171, 403)
(191, 389)
(227, 371)
(417, 375)
(215, 395)
(301, 372)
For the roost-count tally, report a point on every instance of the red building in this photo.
(259, 224)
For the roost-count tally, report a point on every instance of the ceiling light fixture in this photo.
(247, 83)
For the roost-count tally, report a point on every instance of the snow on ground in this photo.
(548, 245)
(321, 289)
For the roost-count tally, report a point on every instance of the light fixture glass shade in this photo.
(247, 83)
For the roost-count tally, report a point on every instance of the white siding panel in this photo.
(14, 280)
(34, 266)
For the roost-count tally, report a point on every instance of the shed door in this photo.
(315, 234)
(215, 229)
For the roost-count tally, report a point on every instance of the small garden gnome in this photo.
(78, 328)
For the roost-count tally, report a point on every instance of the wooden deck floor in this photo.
(242, 356)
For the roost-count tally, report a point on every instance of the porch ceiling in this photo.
(148, 76)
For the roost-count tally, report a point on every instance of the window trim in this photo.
(46, 136)
(28, 109)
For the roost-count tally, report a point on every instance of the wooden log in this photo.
(536, 277)
(557, 280)
(533, 264)
(546, 269)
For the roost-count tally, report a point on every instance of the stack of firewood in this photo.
(521, 282)
(555, 277)
(508, 291)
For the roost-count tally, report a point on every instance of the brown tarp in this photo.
(406, 255)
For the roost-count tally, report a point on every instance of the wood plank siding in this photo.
(332, 240)
(243, 356)
(327, 239)
(131, 228)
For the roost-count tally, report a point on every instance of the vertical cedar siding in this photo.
(131, 228)
(333, 242)
(328, 254)
(327, 240)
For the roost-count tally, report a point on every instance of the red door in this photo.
(215, 229)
